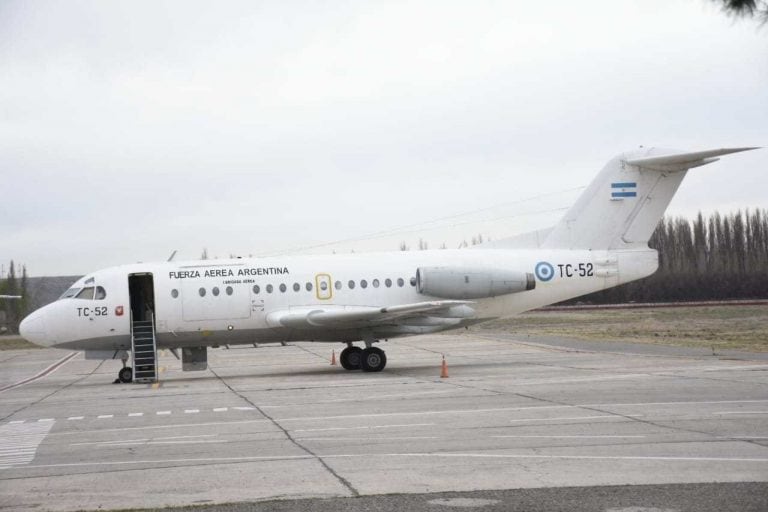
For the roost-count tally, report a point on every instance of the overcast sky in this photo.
(130, 129)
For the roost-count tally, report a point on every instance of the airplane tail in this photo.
(622, 206)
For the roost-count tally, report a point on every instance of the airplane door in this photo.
(323, 287)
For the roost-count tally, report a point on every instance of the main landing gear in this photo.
(369, 359)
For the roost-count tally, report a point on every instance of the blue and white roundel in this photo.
(544, 271)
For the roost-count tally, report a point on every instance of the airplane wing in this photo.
(362, 316)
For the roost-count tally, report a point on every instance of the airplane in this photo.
(364, 298)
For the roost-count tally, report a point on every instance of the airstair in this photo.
(144, 351)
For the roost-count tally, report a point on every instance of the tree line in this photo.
(714, 257)
(14, 310)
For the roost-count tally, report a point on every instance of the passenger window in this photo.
(256, 289)
(375, 283)
(400, 282)
(101, 293)
(323, 285)
(309, 287)
(413, 281)
(351, 284)
(86, 293)
(337, 285)
(215, 291)
(296, 287)
(174, 293)
(363, 283)
(388, 282)
(201, 291)
(282, 288)
(229, 290)
(269, 288)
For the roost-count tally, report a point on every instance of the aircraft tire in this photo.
(125, 375)
(374, 359)
(351, 358)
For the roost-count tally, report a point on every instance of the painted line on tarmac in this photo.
(425, 455)
(368, 427)
(742, 412)
(55, 366)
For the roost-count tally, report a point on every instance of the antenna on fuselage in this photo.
(173, 255)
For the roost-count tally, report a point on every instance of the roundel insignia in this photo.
(544, 271)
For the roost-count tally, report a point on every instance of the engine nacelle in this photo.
(471, 283)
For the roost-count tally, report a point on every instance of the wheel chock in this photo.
(444, 369)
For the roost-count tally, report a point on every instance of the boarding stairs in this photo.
(144, 351)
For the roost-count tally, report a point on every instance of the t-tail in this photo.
(622, 206)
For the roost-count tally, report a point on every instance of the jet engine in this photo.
(471, 283)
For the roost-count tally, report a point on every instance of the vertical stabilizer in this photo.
(623, 204)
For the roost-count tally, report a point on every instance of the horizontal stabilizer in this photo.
(682, 161)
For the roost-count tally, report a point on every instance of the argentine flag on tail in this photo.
(623, 189)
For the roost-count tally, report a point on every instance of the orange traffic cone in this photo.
(333, 358)
(444, 370)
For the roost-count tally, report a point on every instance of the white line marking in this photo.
(135, 414)
(55, 366)
(15, 422)
(220, 409)
(569, 418)
(163, 413)
(362, 428)
(571, 437)
(73, 418)
(45, 420)
(742, 412)
(244, 408)
(191, 411)
(419, 455)
(105, 416)
(19, 442)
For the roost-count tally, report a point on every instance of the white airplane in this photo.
(601, 242)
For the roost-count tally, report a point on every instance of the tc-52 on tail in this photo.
(602, 241)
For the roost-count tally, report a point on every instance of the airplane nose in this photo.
(32, 329)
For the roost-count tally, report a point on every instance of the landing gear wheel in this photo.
(374, 359)
(351, 358)
(125, 374)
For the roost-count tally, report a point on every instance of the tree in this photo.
(746, 8)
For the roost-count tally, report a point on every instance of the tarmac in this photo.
(519, 424)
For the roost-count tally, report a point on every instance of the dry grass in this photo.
(12, 342)
(721, 327)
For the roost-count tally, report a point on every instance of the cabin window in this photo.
(283, 288)
(323, 285)
(337, 285)
(400, 282)
(413, 281)
(363, 283)
(351, 284)
(101, 293)
(201, 291)
(375, 283)
(269, 288)
(388, 282)
(229, 290)
(215, 291)
(174, 293)
(256, 289)
(296, 287)
(308, 286)
(86, 293)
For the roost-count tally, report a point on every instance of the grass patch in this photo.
(13, 342)
(721, 327)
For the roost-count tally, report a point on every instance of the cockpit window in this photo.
(69, 293)
(101, 293)
(86, 293)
